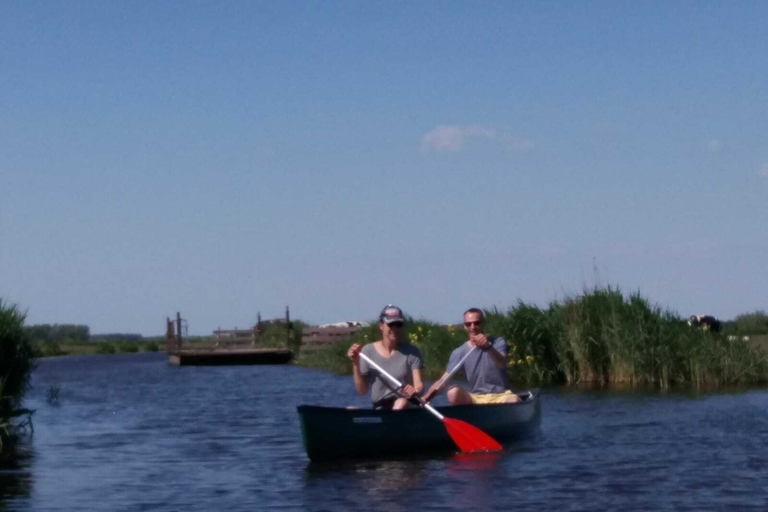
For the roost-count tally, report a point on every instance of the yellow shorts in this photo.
(491, 398)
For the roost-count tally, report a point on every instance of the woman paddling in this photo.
(400, 359)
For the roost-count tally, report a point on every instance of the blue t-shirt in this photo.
(483, 376)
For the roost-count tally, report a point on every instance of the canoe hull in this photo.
(334, 433)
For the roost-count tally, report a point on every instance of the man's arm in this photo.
(433, 389)
(498, 358)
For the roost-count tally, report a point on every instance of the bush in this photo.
(150, 347)
(16, 357)
(273, 334)
(48, 349)
(752, 323)
(128, 347)
(105, 348)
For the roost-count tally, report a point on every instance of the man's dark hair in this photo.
(476, 310)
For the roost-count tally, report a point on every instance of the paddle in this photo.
(467, 437)
(450, 374)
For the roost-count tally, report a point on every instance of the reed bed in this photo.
(598, 337)
(604, 337)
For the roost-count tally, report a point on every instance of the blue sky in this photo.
(225, 158)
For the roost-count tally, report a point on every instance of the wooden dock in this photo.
(229, 356)
(229, 347)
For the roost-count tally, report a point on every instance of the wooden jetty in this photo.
(229, 347)
(230, 356)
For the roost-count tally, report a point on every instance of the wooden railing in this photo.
(316, 337)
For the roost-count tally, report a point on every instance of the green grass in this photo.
(78, 348)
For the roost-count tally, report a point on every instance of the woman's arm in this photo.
(361, 383)
(418, 384)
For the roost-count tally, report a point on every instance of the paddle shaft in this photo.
(400, 385)
(453, 372)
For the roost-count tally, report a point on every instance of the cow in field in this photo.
(705, 322)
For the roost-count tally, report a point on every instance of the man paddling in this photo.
(483, 361)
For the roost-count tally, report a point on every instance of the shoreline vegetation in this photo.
(16, 364)
(600, 337)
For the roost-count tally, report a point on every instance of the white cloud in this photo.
(763, 170)
(714, 145)
(453, 138)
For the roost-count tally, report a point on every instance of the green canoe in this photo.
(335, 432)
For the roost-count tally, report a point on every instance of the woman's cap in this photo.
(391, 313)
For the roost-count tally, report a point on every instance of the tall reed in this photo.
(599, 336)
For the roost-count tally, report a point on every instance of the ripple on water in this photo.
(133, 433)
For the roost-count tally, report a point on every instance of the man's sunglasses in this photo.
(395, 324)
(470, 324)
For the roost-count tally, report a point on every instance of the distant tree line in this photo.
(71, 333)
(117, 337)
(752, 323)
(58, 333)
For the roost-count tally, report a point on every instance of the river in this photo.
(132, 433)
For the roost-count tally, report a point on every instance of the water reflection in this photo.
(482, 461)
(15, 472)
(133, 433)
(376, 476)
(364, 484)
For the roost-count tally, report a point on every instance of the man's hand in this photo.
(429, 395)
(481, 342)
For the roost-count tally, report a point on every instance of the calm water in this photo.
(133, 433)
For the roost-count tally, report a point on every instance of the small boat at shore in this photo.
(337, 433)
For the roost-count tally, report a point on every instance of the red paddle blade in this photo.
(469, 438)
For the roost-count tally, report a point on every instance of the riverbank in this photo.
(599, 337)
(95, 347)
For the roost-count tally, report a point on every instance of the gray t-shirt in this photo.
(483, 376)
(400, 365)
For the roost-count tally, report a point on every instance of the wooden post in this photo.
(287, 328)
(178, 328)
(170, 337)
(258, 328)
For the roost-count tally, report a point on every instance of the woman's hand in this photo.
(354, 354)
